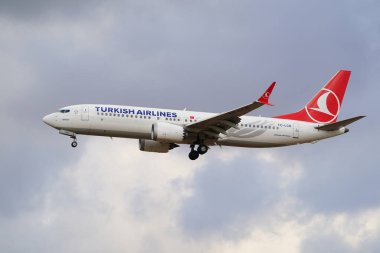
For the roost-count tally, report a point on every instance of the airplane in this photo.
(161, 130)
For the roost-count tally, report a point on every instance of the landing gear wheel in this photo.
(202, 149)
(193, 155)
(74, 144)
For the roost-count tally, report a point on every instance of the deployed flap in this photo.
(339, 124)
(226, 120)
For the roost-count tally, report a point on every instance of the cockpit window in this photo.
(64, 111)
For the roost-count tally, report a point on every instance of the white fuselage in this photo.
(136, 122)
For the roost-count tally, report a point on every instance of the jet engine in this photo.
(155, 146)
(166, 132)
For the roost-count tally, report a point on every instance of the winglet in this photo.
(264, 99)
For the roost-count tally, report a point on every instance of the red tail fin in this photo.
(325, 105)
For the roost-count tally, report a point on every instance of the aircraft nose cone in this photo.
(48, 119)
(45, 119)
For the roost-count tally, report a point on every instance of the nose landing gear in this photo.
(72, 135)
(74, 143)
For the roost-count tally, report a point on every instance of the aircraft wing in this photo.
(220, 123)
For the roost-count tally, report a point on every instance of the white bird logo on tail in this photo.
(322, 104)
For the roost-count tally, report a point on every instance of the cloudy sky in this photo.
(209, 55)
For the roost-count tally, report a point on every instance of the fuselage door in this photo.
(85, 113)
(296, 130)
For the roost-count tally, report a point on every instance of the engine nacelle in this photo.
(166, 132)
(154, 146)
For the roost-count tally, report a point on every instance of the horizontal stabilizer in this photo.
(339, 124)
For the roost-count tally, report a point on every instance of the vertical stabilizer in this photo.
(325, 105)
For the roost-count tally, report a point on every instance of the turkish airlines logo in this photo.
(325, 108)
(266, 95)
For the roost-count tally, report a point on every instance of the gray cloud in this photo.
(40, 9)
(338, 178)
(326, 243)
(334, 243)
(179, 54)
(27, 166)
(227, 195)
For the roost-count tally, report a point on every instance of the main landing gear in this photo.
(201, 150)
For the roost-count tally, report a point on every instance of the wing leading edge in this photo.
(220, 123)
